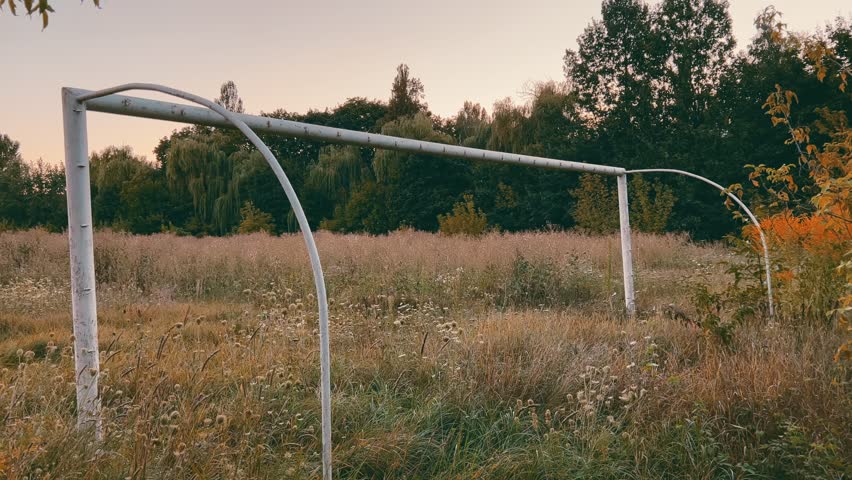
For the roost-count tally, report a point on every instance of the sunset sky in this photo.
(295, 55)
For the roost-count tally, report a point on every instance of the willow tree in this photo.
(113, 169)
(205, 171)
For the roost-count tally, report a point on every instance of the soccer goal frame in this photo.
(77, 102)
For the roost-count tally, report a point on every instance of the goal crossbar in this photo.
(176, 112)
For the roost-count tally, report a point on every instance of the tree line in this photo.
(648, 86)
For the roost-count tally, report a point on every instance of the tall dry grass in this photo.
(452, 358)
(415, 264)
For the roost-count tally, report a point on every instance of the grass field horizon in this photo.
(503, 356)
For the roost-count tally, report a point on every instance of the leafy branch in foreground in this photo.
(812, 214)
(40, 7)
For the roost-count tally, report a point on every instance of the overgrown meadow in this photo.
(506, 356)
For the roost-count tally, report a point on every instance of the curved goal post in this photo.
(76, 102)
(766, 263)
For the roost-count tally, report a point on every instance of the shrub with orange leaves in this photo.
(822, 235)
(819, 234)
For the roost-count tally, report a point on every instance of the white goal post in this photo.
(76, 102)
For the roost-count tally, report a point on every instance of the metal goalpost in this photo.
(76, 102)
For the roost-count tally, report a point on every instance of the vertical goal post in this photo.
(76, 102)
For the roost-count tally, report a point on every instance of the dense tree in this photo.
(112, 171)
(696, 34)
(45, 197)
(229, 97)
(419, 187)
(14, 180)
(407, 97)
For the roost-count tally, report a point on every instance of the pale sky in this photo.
(295, 55)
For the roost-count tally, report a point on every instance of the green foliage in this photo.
(254, 220)
(31, 195)
(14, 180)
(651, 205)
(544, 283)
(406, 95)
(795, 453)
(596, 204)
(115, 175)
(465, 219)
(710, 306)
(229, 97)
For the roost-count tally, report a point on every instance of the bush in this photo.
(254, 220)
(651, 205)
(596, 208)
(465, 219)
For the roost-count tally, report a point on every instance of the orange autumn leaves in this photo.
(818, 234)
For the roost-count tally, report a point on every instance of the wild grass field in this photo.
(506, 356)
